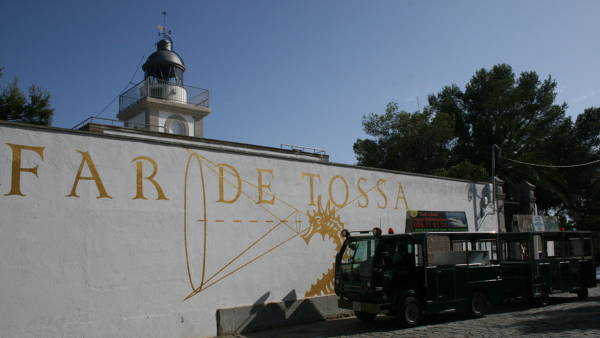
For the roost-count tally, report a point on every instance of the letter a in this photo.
(87, 160)
(401, 196)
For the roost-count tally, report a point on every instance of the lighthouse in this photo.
(161, 102)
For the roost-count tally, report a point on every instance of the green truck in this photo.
(409, 275)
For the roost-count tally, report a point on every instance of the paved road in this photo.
(564, 317)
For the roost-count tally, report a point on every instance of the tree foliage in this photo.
(406, 141)
(16, 107)
(454, 135)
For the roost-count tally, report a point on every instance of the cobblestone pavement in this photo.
(564, 317)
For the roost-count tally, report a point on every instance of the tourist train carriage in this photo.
(409, 274)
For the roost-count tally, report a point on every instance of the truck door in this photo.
(441, 274)
(355, 268)
(566, 274)
(443, 283)
(397, 264)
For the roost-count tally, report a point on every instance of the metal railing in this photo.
(119, 123)
(163, 90)
(303, 149)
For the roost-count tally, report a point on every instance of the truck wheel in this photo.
(478, 304)
(582, 294)
(410, 312)
(364, 316)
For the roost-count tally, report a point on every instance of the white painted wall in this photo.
(98, 267)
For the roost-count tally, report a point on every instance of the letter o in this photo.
(347, 192)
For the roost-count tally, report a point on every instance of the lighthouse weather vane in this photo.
(162, 29)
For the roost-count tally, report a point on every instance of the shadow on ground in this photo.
(530, 320)
(553, 321)
(285, 313)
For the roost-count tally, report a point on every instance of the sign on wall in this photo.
(426, 221)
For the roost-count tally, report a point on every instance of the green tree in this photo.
(455, 134)
(516, 114)
(16, 107)
(520, 116)
(583, 182)
(416, 142)
(465, 170)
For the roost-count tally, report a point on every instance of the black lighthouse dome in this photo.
(164, 65)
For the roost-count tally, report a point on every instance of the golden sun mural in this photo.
(325, 222)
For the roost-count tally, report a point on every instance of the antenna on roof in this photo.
(162, 29)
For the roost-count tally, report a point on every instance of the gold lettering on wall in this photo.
(362, 192)
(311, 184)
(15, 180)
(238, 178)
(381, 182)
(140, 179)
(401, 196)
(346, 191)
(86, 159)
(262, 185)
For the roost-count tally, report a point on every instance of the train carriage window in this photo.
(587, 243)
(441, 250)
(459, 246)
(490, 247)
(463, 245)
(538, 252)
(554, 249)
(418, 254)
(400, 251)
(437, 247)
(576, 247)
(515, 250)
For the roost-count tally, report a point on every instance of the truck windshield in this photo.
(358, 251)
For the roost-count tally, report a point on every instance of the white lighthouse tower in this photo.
(161, 102)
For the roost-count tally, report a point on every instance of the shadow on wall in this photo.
(482, 203)
(262, 316)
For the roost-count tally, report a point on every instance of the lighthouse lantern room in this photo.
(161, 102)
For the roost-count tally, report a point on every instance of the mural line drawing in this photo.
(324, 220)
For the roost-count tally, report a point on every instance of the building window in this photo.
(177, 125)
(177, 128)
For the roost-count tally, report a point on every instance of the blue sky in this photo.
(297, 72)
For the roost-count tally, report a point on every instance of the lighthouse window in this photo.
(176, 125)
(177, 128)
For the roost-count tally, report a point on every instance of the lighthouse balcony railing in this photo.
(164, 90)
(118, 123)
